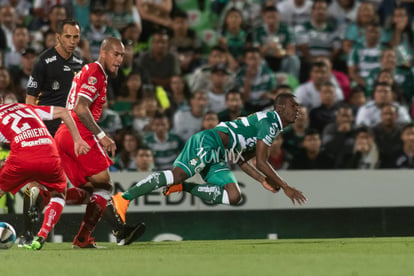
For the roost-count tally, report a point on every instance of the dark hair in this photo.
(233, 9)
(282, 98)
(179, 14)
(407, 30)
(283, 86)
(159, 115)
(232, 91)
(407, 126)
(318, 1)
(382, 84)
(328, 83)
(144, 147)
(251, 50)
(318, 64)
(312, 131)
(357, 89)
(269, 9)
(218, 48)
(67, 21)
(364, 129)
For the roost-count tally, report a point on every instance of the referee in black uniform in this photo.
(52, 75)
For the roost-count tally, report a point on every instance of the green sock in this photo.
(145, 186)
(208, 192)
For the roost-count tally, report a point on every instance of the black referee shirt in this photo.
(52, 77)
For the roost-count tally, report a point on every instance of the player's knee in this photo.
(234, 198)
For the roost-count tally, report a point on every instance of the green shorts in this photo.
(204, 154)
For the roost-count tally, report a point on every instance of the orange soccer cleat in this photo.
(121, 205)
(174, 188)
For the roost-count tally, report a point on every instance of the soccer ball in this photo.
(7, 235)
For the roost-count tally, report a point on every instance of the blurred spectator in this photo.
(192, 117)
(338, 137)
(151, 105)
(203, 20)
(317, 37)
(307, 94)
(400, 36)
(210, 120)
(125, 158)
(321, 116)
(140, 120)
(293, 135)
(179, 94)
(182, 36)
(365, 57)
(357, 98)
(13, 58)
(370, 113)
(397, 93)
(22, 9)
(120, 13)
(311, 156)
(132, 33)
(404, 157)
(234, 106)
(56, 14)
(338, 78)
(160, 64)
(387, 134)
(277, 43)
(98, 30)
(365, 154)
(200, 79)
(295, 12)
(80, 10)
(8, 21)
(399, 75)
(280, 88)
(344, 11)
(189, 60)
(21, 76)
(84, 51)
(42, 9)
(233, 37)
(48, 41)
(154, 14)
(249, 9)
(164, 144)
(217, 94)
(279, 158)
(110, 121)
(256, 80)
(6, 84)
(144, 159)
(355, 32)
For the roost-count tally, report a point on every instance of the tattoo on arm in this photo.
(85, 115)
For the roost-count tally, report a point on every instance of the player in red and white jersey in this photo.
(89, 173)
(34, 156)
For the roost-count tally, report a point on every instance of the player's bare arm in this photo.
(81, 147)
(262, 151)
(85, 116)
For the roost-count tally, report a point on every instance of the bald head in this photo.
(109, 43)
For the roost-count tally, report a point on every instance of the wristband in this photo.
(100, 135)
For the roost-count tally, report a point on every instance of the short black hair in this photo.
(282, 98)
(232, 91)
(318, 64)
(179, 14)
(269, 9)
(218, 48)
(159, 115)
(67, 21)
(382, 84)
(407, 126)
(144, 147)
(251, 50)
(312, 131)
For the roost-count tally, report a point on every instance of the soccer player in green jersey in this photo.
(208, 151)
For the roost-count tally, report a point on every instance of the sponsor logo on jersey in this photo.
(77, 60)
(88, 87)
(51, 59)
(92, 80)
(66, 68)
(55, 85)
(31, 83)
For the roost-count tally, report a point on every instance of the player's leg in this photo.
(221, 187)
(35, 198)
(101, 193)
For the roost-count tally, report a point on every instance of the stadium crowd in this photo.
(192, 64)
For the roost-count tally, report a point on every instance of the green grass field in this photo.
(333, 257)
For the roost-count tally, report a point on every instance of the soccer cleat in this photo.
(25, 239)
(120, 204)
(36, 244)
(129, 234)
(81, 242)
(174, 188)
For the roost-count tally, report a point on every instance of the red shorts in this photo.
(20, 170)
(78, 168)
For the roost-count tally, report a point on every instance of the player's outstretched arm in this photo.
(85, 116)
(272, 178)
(81, 147)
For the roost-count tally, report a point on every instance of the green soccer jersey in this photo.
(283, 35)
(366, 59)
(321, 42)
(244, 132)
(165, 152)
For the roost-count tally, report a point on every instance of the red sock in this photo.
(93, 213)
(76, 196)
(52, 215)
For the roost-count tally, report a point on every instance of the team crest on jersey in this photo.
(92, 80)
(55, 85)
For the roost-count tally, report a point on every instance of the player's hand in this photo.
(108, 144)
(81, 147)
(270, 185)
(294, 195)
